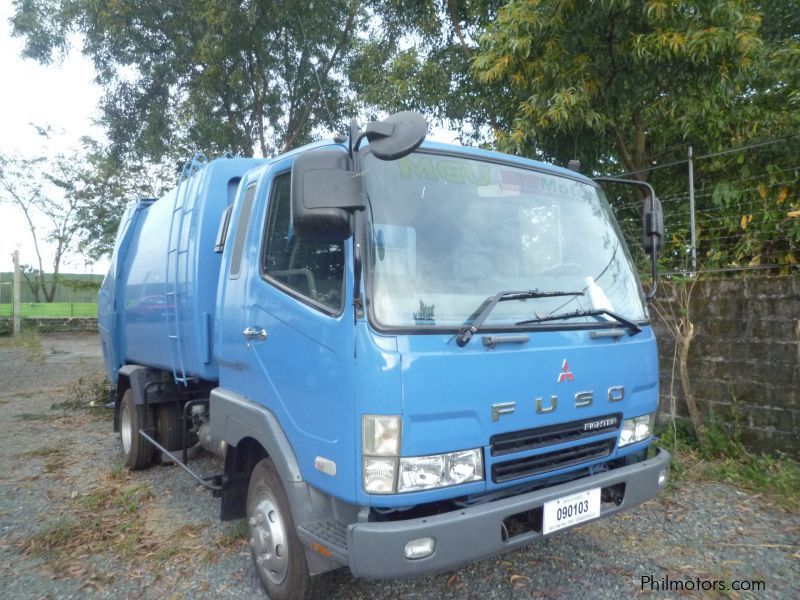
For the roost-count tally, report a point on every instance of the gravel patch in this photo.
(155, 534)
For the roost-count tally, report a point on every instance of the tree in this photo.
(216, 75)
(417, 57)
(619, 85)
(43, 189)
(638, 76)
(108, 185)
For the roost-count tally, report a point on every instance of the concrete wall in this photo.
(50, 325)
(744, 360)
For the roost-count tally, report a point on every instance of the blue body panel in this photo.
(444, 393)
(319, 373)
(134, 298)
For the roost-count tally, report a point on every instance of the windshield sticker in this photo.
(486, 177)
(449, 170)
(519, 181)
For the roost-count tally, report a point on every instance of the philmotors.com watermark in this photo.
(651, 583)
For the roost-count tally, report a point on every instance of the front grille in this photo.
(528, 439)
(550, 461)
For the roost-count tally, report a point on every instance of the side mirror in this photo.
(324, 193)
(395, 137)
(653, 226)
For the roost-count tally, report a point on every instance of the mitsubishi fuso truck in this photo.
(409, 355)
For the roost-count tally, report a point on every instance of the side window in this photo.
(241, 232)
(314, 270)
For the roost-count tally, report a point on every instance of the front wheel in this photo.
(278, 555)
(137, 451)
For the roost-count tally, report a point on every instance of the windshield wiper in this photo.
(632, 327)
(464, 335)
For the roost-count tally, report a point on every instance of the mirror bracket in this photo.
(395, 137)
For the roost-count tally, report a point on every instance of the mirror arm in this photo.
(352, 144)
(651, 294)
(358, 301)
(643, 184)
(652, 197)
(358, 234)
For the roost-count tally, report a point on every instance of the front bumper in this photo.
(377, 550)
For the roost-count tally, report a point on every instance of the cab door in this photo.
(298, 337)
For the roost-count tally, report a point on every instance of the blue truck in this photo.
(410, 355)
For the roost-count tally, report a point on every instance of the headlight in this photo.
(380, 435)
(380, 445)
(379, 475)
(635, 430)
(380, 448)
(440, 470)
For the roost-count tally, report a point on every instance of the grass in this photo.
(89, 393)
(52, 535)
(108, 518)
(51, 309)
(44, 452)
(725, 459)
(116, 517)
(235, 535)
(34, 417)
(28, 342)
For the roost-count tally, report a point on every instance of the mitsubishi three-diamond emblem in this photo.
(566, 374)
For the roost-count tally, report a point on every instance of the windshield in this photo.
(446, 232)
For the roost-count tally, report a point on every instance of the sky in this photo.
(62, 96)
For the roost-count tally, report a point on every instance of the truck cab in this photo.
(423, 358)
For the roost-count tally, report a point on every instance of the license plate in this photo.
(571, 510)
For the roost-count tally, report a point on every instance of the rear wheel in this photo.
(278, 555)
(137, 452)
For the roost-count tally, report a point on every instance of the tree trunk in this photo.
(33, 285)
(684, 344)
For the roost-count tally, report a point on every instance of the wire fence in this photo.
(75, 295)
(728, 212)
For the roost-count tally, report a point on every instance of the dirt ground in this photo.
(74, 523)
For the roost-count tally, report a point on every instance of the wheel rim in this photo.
(126, 429)
(269, 541)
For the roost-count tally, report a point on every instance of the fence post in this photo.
(15, 293)
(691, 214)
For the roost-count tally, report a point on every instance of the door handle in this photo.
(253, 333)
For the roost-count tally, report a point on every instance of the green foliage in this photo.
(32, 310)
(417, 57)
(203, 75)
(28, 342)
(724, 458)
(747, 221)
(110, 183)
(636, 76)
(44, 189)
(618, 84)
(90, 394)
(216, 75)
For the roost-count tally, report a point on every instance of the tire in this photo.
(278, 556)
(137, 452)
(169, 424)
